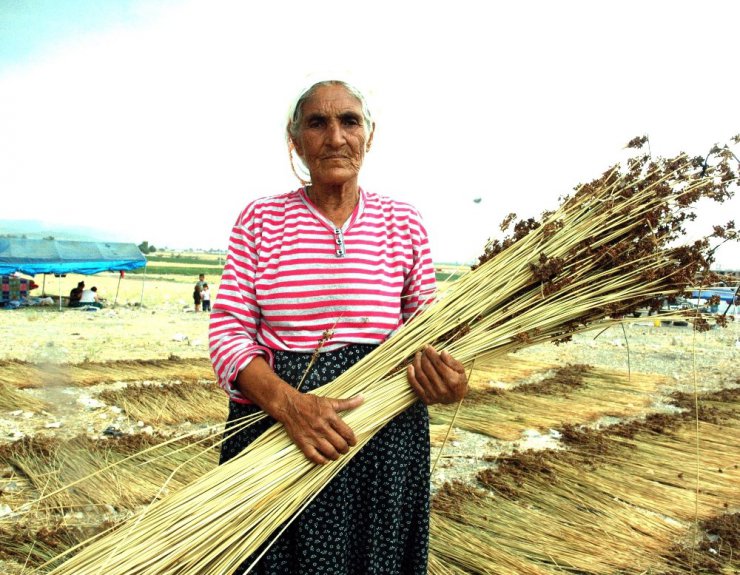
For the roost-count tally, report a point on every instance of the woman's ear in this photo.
(370, 138)
(292, 144)
(297, 147)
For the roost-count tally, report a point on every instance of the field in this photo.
(589, 457)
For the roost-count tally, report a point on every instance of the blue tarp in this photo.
(726, 294)
(33, 257)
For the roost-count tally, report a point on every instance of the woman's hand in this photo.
(313, 424)
(437, 377)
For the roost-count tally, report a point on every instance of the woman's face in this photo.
(331, 137)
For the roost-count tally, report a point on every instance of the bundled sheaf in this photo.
(608, 249)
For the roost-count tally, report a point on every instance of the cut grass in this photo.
(23, 375)
(170, 404)
(568, 394)
(616, 502)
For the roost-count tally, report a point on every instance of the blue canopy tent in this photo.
(726, 294)
(60, 257)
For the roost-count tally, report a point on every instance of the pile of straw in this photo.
(169, 404)
(590, 395)
(23, 374)
(506, 374)
(602, 253)
(29, 545)
(122, 473)
(12, 399)
(616, 501)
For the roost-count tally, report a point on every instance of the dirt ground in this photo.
(45, 334)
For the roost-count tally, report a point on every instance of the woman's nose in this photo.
(335, 134)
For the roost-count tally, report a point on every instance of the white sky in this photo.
(162, 125)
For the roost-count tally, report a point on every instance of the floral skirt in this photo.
(373, 517)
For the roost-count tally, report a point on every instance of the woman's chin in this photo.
(335, 177)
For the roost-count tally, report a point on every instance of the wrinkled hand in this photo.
(313, 424)
(437, 377)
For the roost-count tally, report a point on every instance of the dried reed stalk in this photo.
(460, 548)
(30, 546)
(170, 404)
(508, 371)
(122, 473)
(604, 252)
(712, 548)
(21, 374)
(12, 399)
(437, 566)
(565, 527)
(506, 414)
(669, 486)
(438, 432)
(617, 502)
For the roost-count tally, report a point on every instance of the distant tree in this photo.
(146, 248)
(49, 238)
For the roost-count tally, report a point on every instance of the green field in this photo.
(176, 258)
(189, 264)
(164, 269)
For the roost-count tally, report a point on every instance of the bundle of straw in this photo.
(632, 485)
(602, 253)
(509, 413)
(23, 374)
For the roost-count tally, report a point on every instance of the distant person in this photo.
(90, 297)
(196, 297)
(76, 294)
(201, 281)
(205, 298)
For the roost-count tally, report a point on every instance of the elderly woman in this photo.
(332, 267)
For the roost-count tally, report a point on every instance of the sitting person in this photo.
(75, 294)
(90, 297)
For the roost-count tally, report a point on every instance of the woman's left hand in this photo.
(437, 377)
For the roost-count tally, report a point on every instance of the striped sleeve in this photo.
(235, 317)
(420, 284)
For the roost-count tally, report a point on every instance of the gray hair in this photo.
(296, 112)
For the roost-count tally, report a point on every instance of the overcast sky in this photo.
(159, 120)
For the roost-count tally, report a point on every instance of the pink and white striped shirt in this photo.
(290, 275)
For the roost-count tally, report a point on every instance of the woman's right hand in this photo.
(312, 422)
(314, 425)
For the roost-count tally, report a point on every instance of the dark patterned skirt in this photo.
(373, 518)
